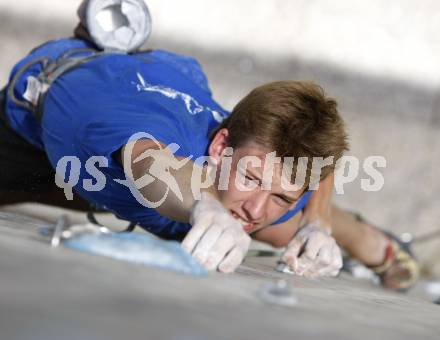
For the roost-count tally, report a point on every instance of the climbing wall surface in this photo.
(380, 60)
(60, 293)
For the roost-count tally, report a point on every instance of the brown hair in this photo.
(293, 118)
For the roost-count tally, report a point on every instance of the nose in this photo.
(254, 207)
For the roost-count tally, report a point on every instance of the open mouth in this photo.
(248, 227)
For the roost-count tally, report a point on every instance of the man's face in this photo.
(254, 194)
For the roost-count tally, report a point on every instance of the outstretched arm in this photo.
(313, 252)
(310, 248)
(216, 239)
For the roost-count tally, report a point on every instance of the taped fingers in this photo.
(329, 261)
(204, 248)
(322, 264)
(226, 242)
(192, 238)
(325, 259)
(304, 266)
(338, 263)
(232, 260)
(290, 256)
(314, 244)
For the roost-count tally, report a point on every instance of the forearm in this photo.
(177, 193)
(318, 209)
(173, 207)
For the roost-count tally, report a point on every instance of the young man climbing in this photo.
(88, 113)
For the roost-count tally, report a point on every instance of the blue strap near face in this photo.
(299, 206)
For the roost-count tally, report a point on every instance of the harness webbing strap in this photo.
(51, 70)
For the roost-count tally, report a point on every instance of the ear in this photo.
(218, 145)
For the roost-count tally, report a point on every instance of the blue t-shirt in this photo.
(96, 108)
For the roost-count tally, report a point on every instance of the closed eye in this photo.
(285, 199)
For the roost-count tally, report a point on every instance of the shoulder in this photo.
(186, 65)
